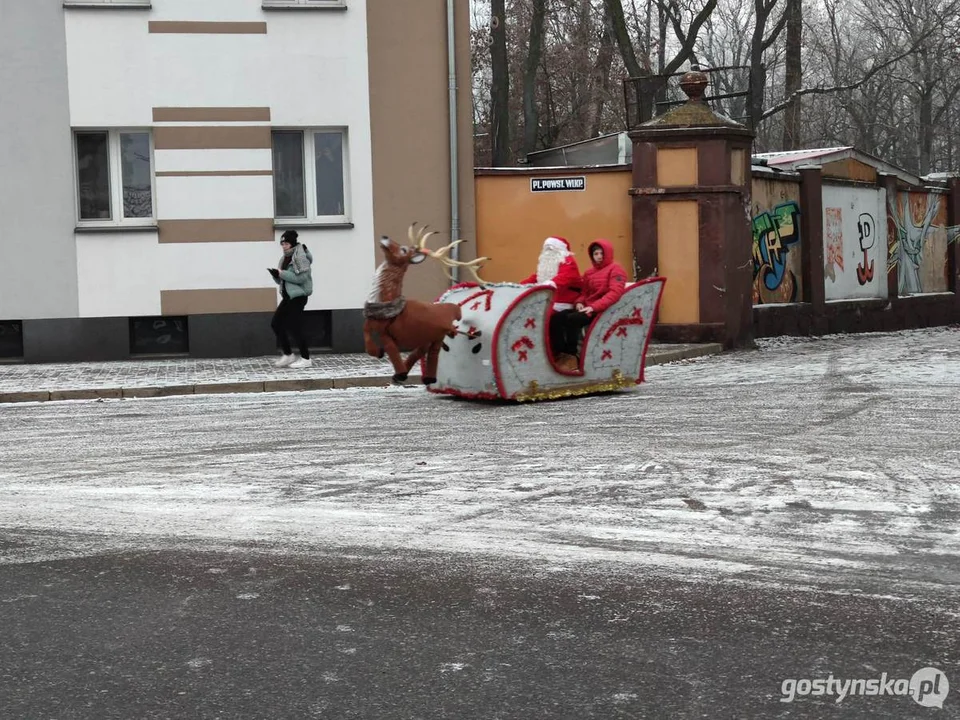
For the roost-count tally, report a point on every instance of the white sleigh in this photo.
(503, 353)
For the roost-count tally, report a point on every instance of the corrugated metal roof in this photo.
(792, 159)
(792, 156)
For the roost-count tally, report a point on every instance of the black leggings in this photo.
(565, 327)
(287, 321)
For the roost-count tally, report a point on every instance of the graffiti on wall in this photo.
(774, 233)
(833, 234)
(866, 236)
(867, 232)
(855, 261)
(918, 238)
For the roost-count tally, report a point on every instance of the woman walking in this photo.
(295, 278)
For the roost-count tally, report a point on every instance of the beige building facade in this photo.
(176, 140)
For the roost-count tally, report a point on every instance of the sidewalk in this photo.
(159, 378)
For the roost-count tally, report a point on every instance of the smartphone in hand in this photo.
(273, 271)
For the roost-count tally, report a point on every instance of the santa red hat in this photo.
(557, 243)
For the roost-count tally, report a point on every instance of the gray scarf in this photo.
(384, 310)
(299, 262)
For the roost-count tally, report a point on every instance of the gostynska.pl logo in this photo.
(928, 687)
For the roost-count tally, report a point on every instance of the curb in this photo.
(669, 356)
(268, 386)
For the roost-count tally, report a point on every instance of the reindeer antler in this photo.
(472, 266)
(420, 240)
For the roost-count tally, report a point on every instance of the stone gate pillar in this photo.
(691, 220)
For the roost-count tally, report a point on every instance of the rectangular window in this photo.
(318, 329)
(328, 155)
(288, 174)
(11, 339)
(309, 175)
(114, 177)
(159, 336)
(302, 4)
(93, 176)
(106, 3)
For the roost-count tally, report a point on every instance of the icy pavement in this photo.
(179, 371)
(186, 372)
(811, 462)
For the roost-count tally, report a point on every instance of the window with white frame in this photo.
(304, 3)
(309, 174)
(114, 177)
(106, 3)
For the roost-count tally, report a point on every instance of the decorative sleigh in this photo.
(502, 350)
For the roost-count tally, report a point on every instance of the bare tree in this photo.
(724, 42)
(760, 42)
(601, 74)
(876, 74)
(534, 52)
(887, 67)
(614, 9)
(500, 85)
(685, 21)
(929, 28)
(793, 75)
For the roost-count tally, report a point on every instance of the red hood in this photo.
(607, 252)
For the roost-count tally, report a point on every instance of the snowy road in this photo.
(829, 462)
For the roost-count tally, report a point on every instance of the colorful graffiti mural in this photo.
(917, 240)
(774, 233)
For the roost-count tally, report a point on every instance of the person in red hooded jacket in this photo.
(603, 284)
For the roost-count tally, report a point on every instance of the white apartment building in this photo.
(153, 151)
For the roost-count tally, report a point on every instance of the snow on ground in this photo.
(809, 461)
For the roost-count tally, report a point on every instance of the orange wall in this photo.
(512, 221)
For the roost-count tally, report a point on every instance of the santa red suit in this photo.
(557, 267)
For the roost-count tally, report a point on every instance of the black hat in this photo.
(289, 236)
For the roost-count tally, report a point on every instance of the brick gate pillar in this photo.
(691, 220)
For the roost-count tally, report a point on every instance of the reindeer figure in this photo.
(394, 322)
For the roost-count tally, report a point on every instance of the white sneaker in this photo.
(301, 363)
(285, 360)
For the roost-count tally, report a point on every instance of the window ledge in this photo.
(111, 5)
(300, 6)
(115, 228)
(294, 225)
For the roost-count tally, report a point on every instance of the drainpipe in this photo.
(454, 164)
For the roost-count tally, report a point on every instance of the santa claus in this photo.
(558, 268)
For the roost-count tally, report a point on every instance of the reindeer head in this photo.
(401, 255)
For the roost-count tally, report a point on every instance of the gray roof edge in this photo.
(840, 153)
(588, 141)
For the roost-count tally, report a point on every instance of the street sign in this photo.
(543, 184)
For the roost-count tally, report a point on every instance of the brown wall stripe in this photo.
(208, 28)
(202, 231)
(208, 138)
(211, 173)
(202, 302)
(211, 114)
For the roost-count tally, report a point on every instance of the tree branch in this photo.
(838, 88)
(688, 45)
(775, 33)
(615, 8)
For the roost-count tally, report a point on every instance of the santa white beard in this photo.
(549, 264)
